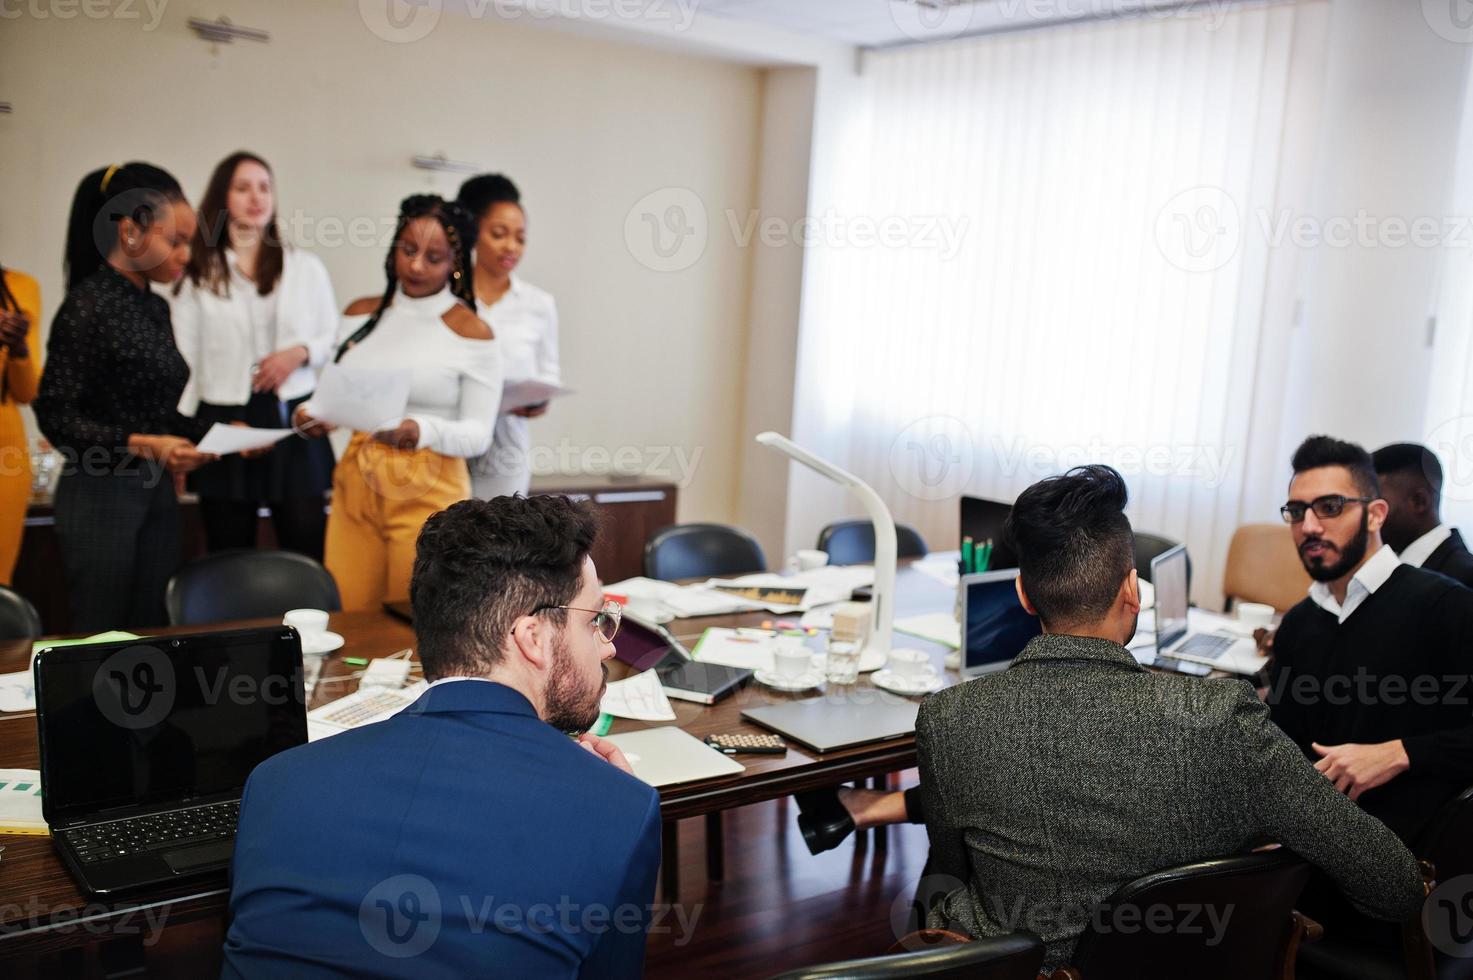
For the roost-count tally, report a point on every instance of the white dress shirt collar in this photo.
(1370, 577)
(451, 680)
(1421, 549)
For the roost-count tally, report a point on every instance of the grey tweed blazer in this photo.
(1050, 784)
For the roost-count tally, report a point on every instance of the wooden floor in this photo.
(778, 908)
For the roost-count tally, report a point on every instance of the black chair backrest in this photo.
(1227, 918)
(701, 551)
(853, 542)
(1447, 840)
(18, 618)
(1148, 546)
(1015, 957)
(248, 584)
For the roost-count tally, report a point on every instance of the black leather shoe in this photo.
(822, 819)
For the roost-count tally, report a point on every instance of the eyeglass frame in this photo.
(611, 611)
(1310, 506)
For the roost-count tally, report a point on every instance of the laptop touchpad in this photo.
(190, 859)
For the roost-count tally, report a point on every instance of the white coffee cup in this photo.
(1255, 614)
(791, 658)
(308, 622)
(807, 559)
(910, 664)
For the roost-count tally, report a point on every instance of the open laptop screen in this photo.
(1169, 576)
(146, 723)
(997, 627)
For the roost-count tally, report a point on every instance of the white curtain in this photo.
(1065, 267)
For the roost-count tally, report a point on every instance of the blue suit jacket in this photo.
(462, 837)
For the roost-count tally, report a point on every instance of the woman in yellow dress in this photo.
(20, 347)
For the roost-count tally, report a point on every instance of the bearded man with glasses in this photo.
(468, 835)
(1371, 672)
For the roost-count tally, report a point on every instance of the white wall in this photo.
(586, 126)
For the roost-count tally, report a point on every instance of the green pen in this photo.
(986, 559)
(355, 661)
(967, 554)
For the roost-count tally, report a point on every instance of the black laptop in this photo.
(146, 746)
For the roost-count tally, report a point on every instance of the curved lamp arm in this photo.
(882, 614)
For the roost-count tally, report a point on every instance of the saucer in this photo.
(803, 682)
(317, 644)
(890, 681)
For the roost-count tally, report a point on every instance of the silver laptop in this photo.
(666, 756)
(826, 724)
(996, 627)
(1177, 647)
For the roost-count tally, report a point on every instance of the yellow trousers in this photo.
(381, 497)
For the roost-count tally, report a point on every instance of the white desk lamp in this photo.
(882, 612)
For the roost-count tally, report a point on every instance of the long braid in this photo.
(8, 302)
(460, 230)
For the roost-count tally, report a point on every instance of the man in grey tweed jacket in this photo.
(1050, 784)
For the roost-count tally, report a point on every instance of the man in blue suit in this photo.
(468, 835)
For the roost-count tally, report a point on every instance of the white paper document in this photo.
(360, 708)
(520, 394)
(360, 399)
(20, 802)
(222, 440)
(745, 649)
(639, 697)
(656, 597)
(17, 693)
(937, 627)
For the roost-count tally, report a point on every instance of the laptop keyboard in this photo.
(1206, 645)
(156, 832)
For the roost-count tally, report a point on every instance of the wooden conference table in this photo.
(42, 910)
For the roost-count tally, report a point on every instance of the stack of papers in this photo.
(659, 600)
(222, 440)
(360, 708)
(747, 649)
(20, 802)
(521, 394)
(639, 697)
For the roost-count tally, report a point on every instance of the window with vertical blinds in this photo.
(1069, 265)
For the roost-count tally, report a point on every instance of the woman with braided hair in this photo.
(391, 480)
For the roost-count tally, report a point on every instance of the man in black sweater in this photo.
(1371, 674)
(1411, 484)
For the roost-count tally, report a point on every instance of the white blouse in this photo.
(223, 337)
(525, 322)
(455, 382)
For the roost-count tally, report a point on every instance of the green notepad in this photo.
(110, 636)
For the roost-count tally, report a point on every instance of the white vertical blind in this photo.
(1075, 270)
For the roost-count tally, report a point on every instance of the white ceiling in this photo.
(878, 23)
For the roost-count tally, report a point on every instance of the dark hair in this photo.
(1074, 544)
(481, 564)
(460, 229)
(1410, 458)
(212, 234)
(8, 302)
(1320, 451)
(103, 198)
(480, 193)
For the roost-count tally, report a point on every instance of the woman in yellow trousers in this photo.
(393, 478)
(20, 338)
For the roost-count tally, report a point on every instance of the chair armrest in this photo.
(927, 939)
(1309, 930)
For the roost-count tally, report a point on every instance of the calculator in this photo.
(757, 744)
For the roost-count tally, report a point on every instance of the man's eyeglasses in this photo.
(605, 620)
(1326, 507)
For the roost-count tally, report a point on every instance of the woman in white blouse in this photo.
(526, 326)
(253, 318)
(391, 480)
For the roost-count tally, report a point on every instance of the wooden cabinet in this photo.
(632, 508)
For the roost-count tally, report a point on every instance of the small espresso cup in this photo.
(791, 660)
(308, 622)
(910, 664)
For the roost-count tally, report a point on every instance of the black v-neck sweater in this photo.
(1398, 668)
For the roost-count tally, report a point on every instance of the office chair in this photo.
(1446, 849)
(1259, 940)
(18, 618)
(247, 583)
(701, 551)
(1148, 546)
(1014, 957)
(853, 542)
(1262, 566)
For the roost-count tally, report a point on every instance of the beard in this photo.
(572, 704)
(1350, 556)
